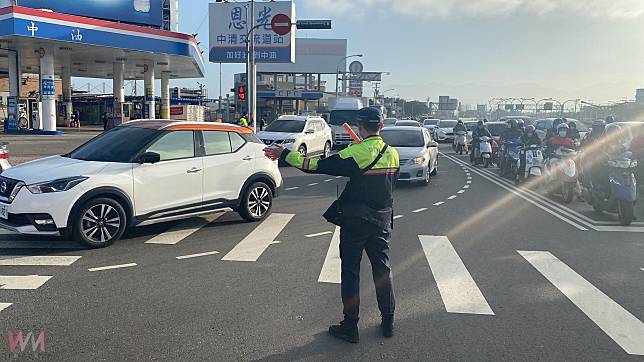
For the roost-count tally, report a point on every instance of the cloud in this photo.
(616, 9)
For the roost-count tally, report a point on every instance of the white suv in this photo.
(309, 135)
(140, 173)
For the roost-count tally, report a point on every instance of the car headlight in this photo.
(59, 185)
(15, 191)
(417, 161)
(290, 140)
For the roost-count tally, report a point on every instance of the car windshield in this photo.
(408, 123)
(286, 126)
(448, 124)
(338, 118)
(496, 129)
(403, 138)
(120, 144)
(430, 122)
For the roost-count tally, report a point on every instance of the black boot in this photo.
(346, 330)
(387, 326)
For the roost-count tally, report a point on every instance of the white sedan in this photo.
(309, 135)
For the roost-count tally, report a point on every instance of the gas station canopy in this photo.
(91, 46)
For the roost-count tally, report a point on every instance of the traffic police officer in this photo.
(364, 212)
(243, 121)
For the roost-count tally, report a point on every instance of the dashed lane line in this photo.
(318, 234)
(291, 188)
(439, 203)
(460, 191)
(452, 197)
(420, 210)
(398, 217)
(618, 323)
(328, 180)
(208, 253)
(110, 267)
(313, 184)
(466, 186)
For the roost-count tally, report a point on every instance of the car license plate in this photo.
(4, 212)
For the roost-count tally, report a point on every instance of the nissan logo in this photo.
(3, 187)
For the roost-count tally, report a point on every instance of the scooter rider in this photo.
(480, 131)
(559, 140)
(460, 127)
(529, 138)
(553, 131)
(364, 212)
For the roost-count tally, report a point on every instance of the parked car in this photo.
(309, 135)
(418, 152)
(430, 123)
(407, 123)
(444, 130)
(140, 173)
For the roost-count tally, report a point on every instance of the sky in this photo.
(475, 49)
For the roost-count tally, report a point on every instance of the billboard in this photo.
(141, 12)
(312, 56)
(229, 32)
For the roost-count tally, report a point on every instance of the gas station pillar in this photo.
(150, 106)
(165, 95)
(47, 90)
(14, 74)
(67, 92)
(118, 85)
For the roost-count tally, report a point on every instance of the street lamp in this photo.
(337, 71)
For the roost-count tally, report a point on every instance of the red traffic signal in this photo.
(241, 93)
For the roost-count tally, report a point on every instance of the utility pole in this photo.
(375, 92)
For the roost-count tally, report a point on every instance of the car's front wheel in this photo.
(99, 223)
(257, 202)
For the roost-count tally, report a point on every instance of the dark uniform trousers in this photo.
(354, 239)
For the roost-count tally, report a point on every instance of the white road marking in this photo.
(458, 290)
(328, 180)
(469, 177)
(339, 176)
(4, 306)
(331, 269)
(460, 191)
(23, 282)
(452, 197)
(254, 245)
(318, 234)
(439, 203)
(469, 182)
(642, 269)
(618, 323)
(466, 186)
(420, 210)
(398, 217)
(313, 184)
(183, 230)
(50, 260)
(197, 255)
(110, 267)
(291, 188)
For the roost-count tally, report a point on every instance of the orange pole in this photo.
(351, 133)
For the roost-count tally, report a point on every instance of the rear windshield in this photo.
(286, 126)
(120, 144)
(403, 138)
(496, 129)
(338, 118)
(448, 124)
(430, 122)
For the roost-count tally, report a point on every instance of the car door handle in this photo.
(194, 170)
(248, 158)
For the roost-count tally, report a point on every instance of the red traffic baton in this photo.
(351, 133)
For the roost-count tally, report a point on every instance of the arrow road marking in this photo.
(254, 245)
(23, 282)
(38, 260)
(455, 284)
(618, 323)
(331, 269)
(183, 230)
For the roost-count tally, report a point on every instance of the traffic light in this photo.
(241, 93)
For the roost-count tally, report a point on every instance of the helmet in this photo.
(572, 124)
(460, 121)
(530, 129)
(512, 123)
(370, 115)
(520, 123)
(557, 122)
(562, 126)
(610, 119)
(480, 123)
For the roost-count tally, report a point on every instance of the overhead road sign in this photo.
(366, 77)
(229, 30)
(313, 24)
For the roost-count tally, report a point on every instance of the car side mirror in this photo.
(432, 144)
(150, 157)
(309, 131)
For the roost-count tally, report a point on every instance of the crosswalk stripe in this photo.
(47, 260)
(183, 230)
(458, 290)
(618, 323)
(331, 269)
(26, 282)
(4, 306)
(254, 245)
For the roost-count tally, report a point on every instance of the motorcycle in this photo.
(483, 154)
(510, 159)
(621, 196)
(561, 175)
(460, 142)
(533, 164)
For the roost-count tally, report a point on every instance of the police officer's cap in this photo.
(370, 115)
